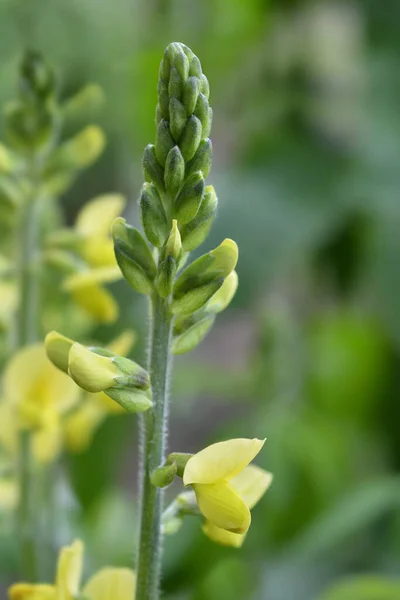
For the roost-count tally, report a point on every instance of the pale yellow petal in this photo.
(92, 372)
(8, 494)
(107, 405)
(222, 536)
(80, 426)
(95, 218)
(111, 584)
(222, 505)
(251, 484)
(97, 302)
(47, 442)
(123, 344)
(29, 591)
(33, 384)
(99, 252)
(69, 571)
(91, 277)
(222, 460)
(57, 349)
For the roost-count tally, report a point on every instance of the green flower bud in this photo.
(204, 86)
(191, 90)
(189, 198)
(204, 113)
(195, 67)
(175, 85)
(193, 334)
(164, 142)
(180, 459)
(164, 476)
(180, 61)
(153, 171)
(177, 115)
(166, 276)
(195, 298)
(174, 171)
(10, 193)
(191, 138)
(36, 78)
(88, 100)
(163, 97)
(195, 232)
(57, 349)
(154, 219)
(202, 160)
(133, 256)
(6, 162)
(173, 245)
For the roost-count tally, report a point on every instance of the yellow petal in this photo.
(33, 384)
(223, 537)
(46, 442)
(96, 301)
(222, 505)
(106, 405)
(222, 460)
(251, 484)
(99, 252)
(57, 349)
(111, 584)
(28, 591)
(79, 427)
(96, 216)
(8, 494)
(92, 372)
(91, 277)
(69, 571)
(123, 344)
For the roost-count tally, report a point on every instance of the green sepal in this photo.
(175, 85)
(180, 459)
(195, 232)
(191, 90)
(166, 276)
(153, 171)
(193, 335)
(164, 142)
(132, 401)
(164, 476)
(163, 97)
(174, 171)
(191, 137)
(133, 256)
(195, 298)
(133, 375)
(177, 115)
(202, 160)
(189, 198)
(154, 219)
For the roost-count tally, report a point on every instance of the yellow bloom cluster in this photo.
(95, 246)
(227, 487)
(107, 584)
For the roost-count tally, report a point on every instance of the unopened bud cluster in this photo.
(177, 208)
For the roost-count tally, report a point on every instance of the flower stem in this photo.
(27, 333)
(154, 433)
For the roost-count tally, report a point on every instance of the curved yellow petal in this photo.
(57, 349)
(96, 301)
(69, 571)
(223, 460)
(79, 427)
(95, 218)
(223, 537)
(92, 372)
(111, 584)
(29, 591)
(251, 484)
(31, 382)
(99, 252)
(223, 506)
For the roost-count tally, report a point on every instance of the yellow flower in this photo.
(108, 584)
(36, 395)
(214, 474)
(97, 249)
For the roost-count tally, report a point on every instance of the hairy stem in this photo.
(154, 432)
(26, 334)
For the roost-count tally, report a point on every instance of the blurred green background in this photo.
(306, 167)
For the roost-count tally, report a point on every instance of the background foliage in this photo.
(306, 145)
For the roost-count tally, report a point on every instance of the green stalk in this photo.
(154, 433)
(26, 334)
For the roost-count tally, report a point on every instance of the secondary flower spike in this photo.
(107, 584)
(213, 474)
